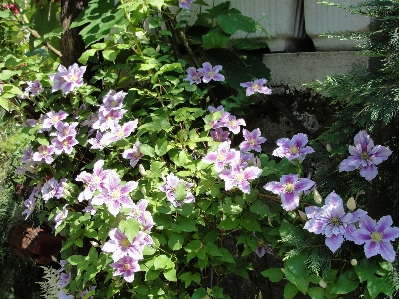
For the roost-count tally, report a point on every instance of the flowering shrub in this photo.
(145, 184)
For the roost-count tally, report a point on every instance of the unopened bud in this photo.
(94, 244)
(256, 161)
(316, 196)
(143, 190)
(354, 262)
(66, 193)
(351, 204)
(302, 215)
(142, 170)
(282, 270)
(322, 283)
(158, 48)
(328, 148)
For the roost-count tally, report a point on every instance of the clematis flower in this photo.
(331, 221)
(294, 148)
(171, 182)
(68, 79)
(34, 88)
(125, 130)
(101, 141)
(113, 194)
(92, 182)
(219, 135)
(53, 188)
(238, 177)
(61, 216)
(62, 295)
(234, 124)
(185, 4)
(256, 86)
(133, 154)
(66, 145)
(126, 266)
(44, 153)
(113, 100)
(224, 156)
(107, 119)
(64, 130)
(193, 76)
(29, 204)
(210, 73)
(365, 156)
(377, 237)
(262, 247)
(53, 118)
(289, 189)
(252, 141)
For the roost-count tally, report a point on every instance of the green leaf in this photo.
(109, 55)
(186, 224)
(229, 224)
(181, 192)
(146, 149)
(161, 148)
(231, 208)
(347, 282)
(163, 262)
(316, 293)
(130, 228)
(79, 242)
(226, 256)
(288, 230)
(4, 104)
(86, 55)
(42, 141)
(216, 38)
(258, 207)
(156, 3)
(301, 282)
(199, 294)
(365, 268)
(176, 241)
(274, 274)
(297, 265)
(76, 259)
(250, 224)
(377, 285)
(170, 275)
(232, 22)
(290, 290)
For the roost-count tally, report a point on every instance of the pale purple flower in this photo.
(185, 4)
(44, 153)
(90, 120)
(243, 160)
(29, 204)
(92, 182)
(171, 182)
(377, 237)
(53, 119)
(68, 79)
(106, 119)
(53, 188)
(133, 154)
(289, 188)
(27, 157)
(238, 177)
(330, 220)
(113, 194)
(61, 216)
(89, 209)
(294, 148)
(210, 73)
(64, 280)
(219, 135)
(62, 295)
(113, 100)
(234, 124)
(66, 145)
(222, 157)
(64, 130)
(262, 247)
(101, 141)
(125, 130)
(193, 76)
(256, 86)
(34, 88)
(126, 266)
(365, 156)
(252, 141)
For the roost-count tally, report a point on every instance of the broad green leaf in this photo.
(250, 225)
(109, 55)
(163, 262)
(297, 265)
(377, 285)
(161, 148)
(232, 22)
(170, 275)
(146, 149)
(186, 224)
(4, 104)
(79, 242)
(85, 56)
(7, 74)
(156, 3)
(176, 241)
(301, 282)
(232, 208)
(290, 290)
(226, 256)
(216, 38)
(229, 224)
(258, 207)
(200, 294)
(76, 259)
(316, 293)
(181, 192)
(274, 274)
(130, 228)
(365, 268)
(347, 282)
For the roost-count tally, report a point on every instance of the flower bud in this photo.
(256, 161)
(94, 243)
(142, 170)
(328, 148)
(316, 196)
(353, 262)
(143, 190)
(322, 283)
(351, 204)
(66, 193)
(302, 215)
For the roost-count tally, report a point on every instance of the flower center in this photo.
(74, 78)
(211, 74)
(126, 266)
(65, 143)
(239, 177)
(261, 243)
(44, 153)
(294, 150)
(255, 86)
(232, 123)
(289, 187)
(365, 156)
(221, 158)
(115, 194)
(335, 221)
(251, 141)
(376, 236)
(125, 243)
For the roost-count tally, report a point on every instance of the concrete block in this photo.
(321, 19)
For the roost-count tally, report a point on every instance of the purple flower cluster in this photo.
(206, 73)
(67, 80)
(365, 156)
(53, 188)
(171, 182)
(256, 86)
(230, 164)
(111, 191)
(126, 254)
(107, 121)
(331, 221)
